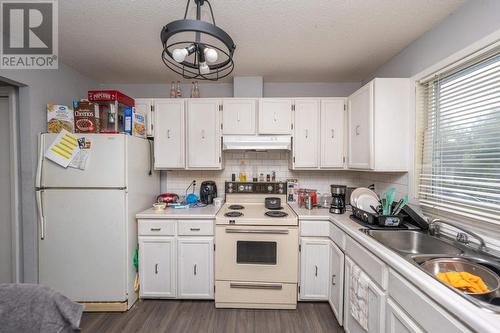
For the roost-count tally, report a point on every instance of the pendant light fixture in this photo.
(197, 49)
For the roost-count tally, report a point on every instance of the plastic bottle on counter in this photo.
(178, 92)
(243, 172)
(173, 92)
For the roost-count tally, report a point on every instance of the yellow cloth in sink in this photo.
(464, 281)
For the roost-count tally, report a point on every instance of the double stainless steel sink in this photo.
(418, 247)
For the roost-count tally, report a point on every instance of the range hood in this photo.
(257, 142)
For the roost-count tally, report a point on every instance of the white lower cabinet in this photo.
(397, 321)
(196, 274)
(315, 269)
(336, 292)
(376, 305)
(157, 267)
(174, 262)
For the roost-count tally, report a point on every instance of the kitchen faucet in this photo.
(461, 236)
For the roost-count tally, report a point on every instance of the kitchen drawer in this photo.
(314, 228)
(372, 265)
(337, 236)
(157, 227)
(255, 294)
(196, 227)
(422, 309)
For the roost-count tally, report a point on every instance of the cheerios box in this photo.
(59, 117)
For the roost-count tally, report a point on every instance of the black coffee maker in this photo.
(338, 199)
(208, 191)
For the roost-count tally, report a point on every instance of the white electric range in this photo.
(257, 249)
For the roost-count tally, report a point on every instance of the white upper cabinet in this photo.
(275, 116)
(378, 125)
(332, 133)
(169, 140)
(203, 134)
(306, 134)
(239, 116)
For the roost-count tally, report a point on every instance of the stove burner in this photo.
(277, 208)
(236, 207)
(276, 213)
(233, 214)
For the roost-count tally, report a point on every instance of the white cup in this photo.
(218, 202)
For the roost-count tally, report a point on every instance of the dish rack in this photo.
(375, 219)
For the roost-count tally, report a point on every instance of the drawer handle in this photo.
(195, 229)
(275, 286)
(155, 229)
(255, 231)
(357, 130)
(156, 268)
(194, 269)
(315, 270)
(333, 279)
(333, 133)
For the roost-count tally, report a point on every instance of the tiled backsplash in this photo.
(266, 162)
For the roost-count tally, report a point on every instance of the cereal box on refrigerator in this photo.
(86, 117)
(59, 117)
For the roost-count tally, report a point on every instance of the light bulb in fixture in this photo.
(180, 55)
(211, 55)
(204, 69)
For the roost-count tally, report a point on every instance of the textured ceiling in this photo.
(117, 41)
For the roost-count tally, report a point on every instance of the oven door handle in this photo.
(272, 286)
(256, 231)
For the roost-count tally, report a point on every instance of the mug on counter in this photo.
(218, 202)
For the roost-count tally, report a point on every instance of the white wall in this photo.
(59, 86)
(471, 22)
(271, 89)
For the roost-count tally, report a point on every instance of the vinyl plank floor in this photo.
(172, 316)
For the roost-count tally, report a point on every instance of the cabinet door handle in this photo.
(357, 130)
(195, 269)
(307, 133)
(195, 229)
(238, 116)
(275, 117)
(333, 133)
(315, 270)
(156, 268)
(155, 229)
(168, 134)
(203, 134)
(333, 279)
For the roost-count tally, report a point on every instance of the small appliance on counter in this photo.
(273, 203)
(208, 192)
(168, 198)
(338, 199)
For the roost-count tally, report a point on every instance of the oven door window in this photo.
(248, 252)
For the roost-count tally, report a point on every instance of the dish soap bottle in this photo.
(178, 92)
(243, 173)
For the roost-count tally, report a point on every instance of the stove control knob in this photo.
(230, 190)
(280, 190)
(230, 185)
(241, 188)
(269, 188)
(280, 185)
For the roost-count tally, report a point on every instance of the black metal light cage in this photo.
(190, 69)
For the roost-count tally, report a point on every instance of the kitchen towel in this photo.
(358, 298)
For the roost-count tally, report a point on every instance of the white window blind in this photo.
(459, 141)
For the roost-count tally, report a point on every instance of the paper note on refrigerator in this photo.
(63, 149)
(81, 160)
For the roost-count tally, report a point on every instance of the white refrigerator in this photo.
(86, 218)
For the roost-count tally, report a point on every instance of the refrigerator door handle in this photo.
(41, 218)
(38, 177)
(151, 152)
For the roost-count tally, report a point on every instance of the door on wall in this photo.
(6, 272)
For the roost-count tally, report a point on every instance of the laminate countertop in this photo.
(206, 212)
(477, 319)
